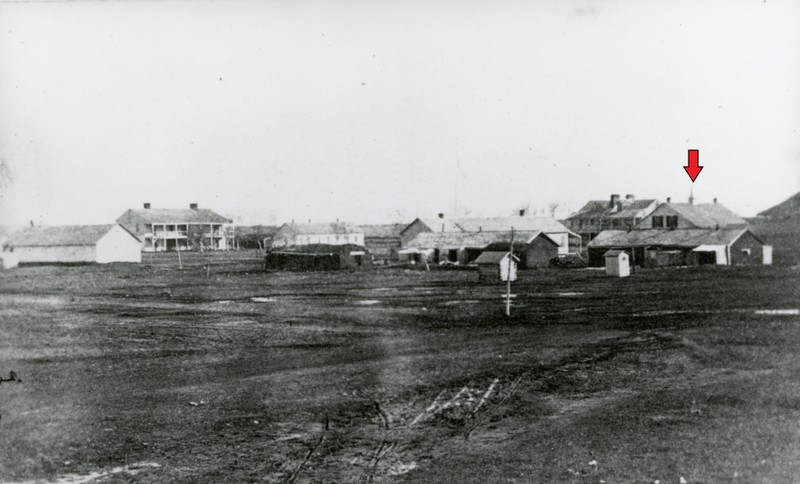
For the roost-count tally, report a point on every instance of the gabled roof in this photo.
(519, 243)
(708, 215)
(504, 224)
(171, 216)
(61, 235)
(493, 257)
(472, 240)
(436, 224)
(323, 228)
(687, 238)
(383, 230)
(602, 208)
(614, 253)
(495, 224)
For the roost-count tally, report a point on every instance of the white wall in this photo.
(61, 253)
(563, 241)
(330, 239)
(118, 245)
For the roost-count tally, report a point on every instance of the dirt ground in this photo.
(223, 373)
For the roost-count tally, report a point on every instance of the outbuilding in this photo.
(496, 267)
(618, 263)
(318, 257)
(76, 244)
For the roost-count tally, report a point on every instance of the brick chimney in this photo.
(147, 205)
(522, 212)
(629, 197)
(193, 206)
(669, 199)
(715, 199)
(614, 200)
(441, 215)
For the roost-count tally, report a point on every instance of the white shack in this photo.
(618, 263)
(497, 266)
(76, 244)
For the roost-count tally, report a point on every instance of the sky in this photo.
(381, 111)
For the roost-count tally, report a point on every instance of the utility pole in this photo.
(508, 275)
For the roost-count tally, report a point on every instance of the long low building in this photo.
(658, 247)
(464, 247)
(76, 244)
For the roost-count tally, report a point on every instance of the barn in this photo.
(76, 244)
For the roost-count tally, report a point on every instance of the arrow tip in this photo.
(693, 171)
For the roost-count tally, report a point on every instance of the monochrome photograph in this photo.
(359, 241)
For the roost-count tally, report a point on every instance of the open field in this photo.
(148, 373)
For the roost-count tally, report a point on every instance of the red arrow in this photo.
(693, 169)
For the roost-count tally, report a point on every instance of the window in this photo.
(746, 252)
(658, 221)
(672, 221)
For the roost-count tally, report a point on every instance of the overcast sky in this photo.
(370, 110)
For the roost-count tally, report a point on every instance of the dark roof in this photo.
(383, 230)
(602, 208)
(708, 215)
(519, 244)
(686, 238)
(171, 216)
(493, 257)
(61, 235)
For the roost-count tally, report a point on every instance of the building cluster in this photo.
(645, 233)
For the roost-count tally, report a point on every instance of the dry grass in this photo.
(666, 374)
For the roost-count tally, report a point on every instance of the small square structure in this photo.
(618, 263)
(497, 267)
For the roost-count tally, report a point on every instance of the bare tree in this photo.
(552, 208)
(399, 216)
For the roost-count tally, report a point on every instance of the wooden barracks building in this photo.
(168, 229)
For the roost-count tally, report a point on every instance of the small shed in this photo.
(497, 266)
(618, 263)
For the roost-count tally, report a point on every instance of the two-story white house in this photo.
(162, 229)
